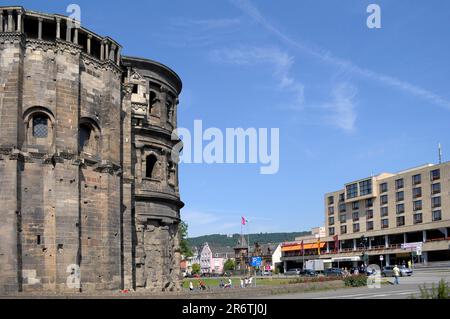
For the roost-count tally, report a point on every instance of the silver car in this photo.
(388, 271)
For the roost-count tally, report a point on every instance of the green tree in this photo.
(184, 244)
(229, 265)
(195, 269)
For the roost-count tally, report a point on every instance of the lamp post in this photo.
(363, 244)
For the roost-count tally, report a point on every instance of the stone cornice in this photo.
(153, 196)
(12, 37)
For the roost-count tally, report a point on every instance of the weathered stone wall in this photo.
(76, 211)
(11, 57)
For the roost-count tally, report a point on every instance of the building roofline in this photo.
(175, 76)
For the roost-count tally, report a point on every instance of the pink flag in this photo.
(244, 221)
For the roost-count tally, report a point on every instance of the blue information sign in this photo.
(256, 261)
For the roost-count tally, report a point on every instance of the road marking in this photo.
(370, 295)
(374, 296)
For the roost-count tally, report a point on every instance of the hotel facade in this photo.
(384, 219)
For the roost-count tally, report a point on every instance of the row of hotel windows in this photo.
(384, 211)
(365, 187)
(416, 180)
(400, 196)
(417, 218)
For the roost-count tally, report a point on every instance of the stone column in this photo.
(19, 21)
(328, 247)
(405, 238)
(354, 244)
(370, 243)
(1, 21)
(424, 235)
(386, 241)
(112, 52)
(118, 56)
(106, 57)
(89, 38)
(102, 51)
(388, 260)
(75, 37)
(68, 34)
(163, 105)
(285, 266)
(58, 28)
(446, 232)
(10, 21)
(40, 28)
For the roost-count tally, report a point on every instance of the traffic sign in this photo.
(381, 257)
(256, 261)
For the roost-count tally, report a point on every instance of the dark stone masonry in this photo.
(89, 197)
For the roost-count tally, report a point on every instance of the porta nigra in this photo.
(89, 197)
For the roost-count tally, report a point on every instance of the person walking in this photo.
(396, 271)
(242, 283)
(191, 286)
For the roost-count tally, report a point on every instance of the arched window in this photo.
(88, 136)
(40, 126)
(84, 136)
(39, 133)
(150, 165)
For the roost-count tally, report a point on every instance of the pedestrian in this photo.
(229, 284)
(242, 282)
(409, 264)
(222, 284)
(246, 282)
(191, 286)
(396, 271)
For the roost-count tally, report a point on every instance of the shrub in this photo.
(356, 281)
(442, 291)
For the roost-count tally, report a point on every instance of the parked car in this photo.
(266, 273)
(293, 272)
(309, 273)
(333, 272)
(371, 271)
(388, 271)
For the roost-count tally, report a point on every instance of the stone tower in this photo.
(89, 196)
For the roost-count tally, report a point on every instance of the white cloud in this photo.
(209, 23)
(199, 218)
(342, 108)
(281, 63)
(222, 222)
(326, 56)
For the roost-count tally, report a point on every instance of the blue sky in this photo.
(349, 101)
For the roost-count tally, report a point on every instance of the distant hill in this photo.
(261, 238)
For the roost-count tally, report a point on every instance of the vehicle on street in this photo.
(333, 272)
(388, 271)
(315, 265)
(308, 273)
(266, 273)
(293, 272)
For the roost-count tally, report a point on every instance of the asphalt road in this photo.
(409, 286)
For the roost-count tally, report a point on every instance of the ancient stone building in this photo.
(89, 196)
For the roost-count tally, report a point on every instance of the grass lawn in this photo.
(214, 282)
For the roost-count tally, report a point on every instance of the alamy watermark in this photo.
(374, 19)
(232, 146)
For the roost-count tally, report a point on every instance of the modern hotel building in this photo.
(401, 217)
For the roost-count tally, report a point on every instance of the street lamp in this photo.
(363, 244)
